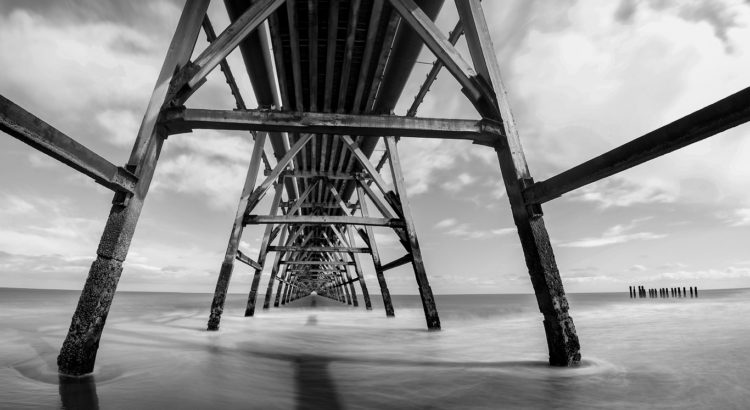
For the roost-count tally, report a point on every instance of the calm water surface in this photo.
(491, 353)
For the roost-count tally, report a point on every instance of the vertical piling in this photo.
(78, 352)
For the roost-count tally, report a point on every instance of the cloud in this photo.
(210, 165)
(446, 223)
(614, 235)
(620, 192)
(466, 232)
(461, 181)
(738, 217)
(731, 272)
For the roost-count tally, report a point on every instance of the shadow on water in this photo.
(78, 393)
(315, 389)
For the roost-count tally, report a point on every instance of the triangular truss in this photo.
(331, 111)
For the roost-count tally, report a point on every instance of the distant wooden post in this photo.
(78, 353)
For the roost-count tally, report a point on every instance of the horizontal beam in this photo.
(247, 261)
(333, 263)
(348, 282)
(310, 271)
(318, 174)
(706, 122)
(184, 119)
(396, 263)
(29, 129)
(322, 220)
(317, 249)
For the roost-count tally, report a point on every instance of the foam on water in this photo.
(491, 353)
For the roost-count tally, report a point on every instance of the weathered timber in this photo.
(322, 220)
(436, 41)
(194, 74)
(262, 252)
(434, 71)
(562, 340)
(358, 271)
(225, 273)
(425, 291)
(397, 262)
(317, 249)
(274, 273)
(247, 261)
(317, 263)
(384, 292)
(699, 125)
(29, 129)
(183, 119)
(317, 174)
(78, 353)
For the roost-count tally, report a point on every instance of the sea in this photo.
(316, 353)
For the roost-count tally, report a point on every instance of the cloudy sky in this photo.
(583, 77)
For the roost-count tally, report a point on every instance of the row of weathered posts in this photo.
(368, 59)
(637, 292)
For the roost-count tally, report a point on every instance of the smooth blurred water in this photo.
(491, 353)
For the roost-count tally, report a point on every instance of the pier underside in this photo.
(327, 76)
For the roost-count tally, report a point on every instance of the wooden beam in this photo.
(262, 252)
(384, 292)
(398, 262)
(436, 41)
(562, 340)
(335, 263)
(366, 164)
(293, 248)
(261, 189)
(225, 272)
(312, 30)
(322, 220)
(425, 291)
(78, 352)
(229, 78)
(699, 125)
(195, 73)
(317, 174)
(434, 71)
(372, 31)
(346, 66)
(29, 129)
(296, 59)
(247, 261)
(481, 131)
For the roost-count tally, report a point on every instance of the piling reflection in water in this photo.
(78, 393)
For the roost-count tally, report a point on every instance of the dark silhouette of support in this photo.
(274, 273)
(385, 293)
(78, 353)
(425, 292)
(252, 297)
(225, 273)
(277, 300)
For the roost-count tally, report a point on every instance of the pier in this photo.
(341, 68)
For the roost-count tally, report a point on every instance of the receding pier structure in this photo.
(340, 67)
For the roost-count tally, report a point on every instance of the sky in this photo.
(583, 77)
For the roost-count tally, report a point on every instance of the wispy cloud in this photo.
(614, 235)
(465, 231)
(618, 192)
(461, 181)
(738, 217)
(446, 223)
